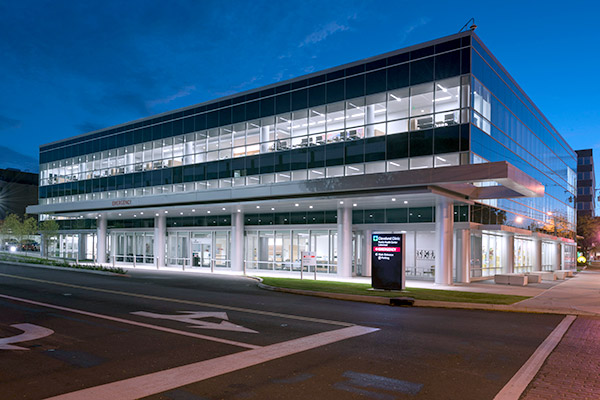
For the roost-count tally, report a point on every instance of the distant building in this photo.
(18, 190)
(586, 182)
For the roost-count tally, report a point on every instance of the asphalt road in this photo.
(185, 336)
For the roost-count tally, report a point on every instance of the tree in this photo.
(48, 229)
(588, 232)
(29, 228)
(13, 226)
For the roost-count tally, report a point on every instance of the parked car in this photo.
(10, 245)
(30, 245)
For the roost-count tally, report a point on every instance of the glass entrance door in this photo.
(201, 244)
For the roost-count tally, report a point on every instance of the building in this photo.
(586, 184)
(435, 140)
(18, 190)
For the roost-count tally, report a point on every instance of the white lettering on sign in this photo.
(194, 317)
(30, 332)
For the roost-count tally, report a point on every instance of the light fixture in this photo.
(166, 212)
(519, 220)
(208, 212)
(405, 202)
(441, 87)
(296, 205)
(341, 202)
(181, 213)
(395, 97)
(142, 213)
(224, 209)
(157, 214)
(310, 206)
(354, 205)
(257, 206)
(440, 158)
(393, 199)
(119, 214)
(239, 210)
(272, 208)
(134, 216)
(193, 210)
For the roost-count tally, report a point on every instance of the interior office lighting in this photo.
(395, 97)
(443, 98)
(441, 87)
(441, 159)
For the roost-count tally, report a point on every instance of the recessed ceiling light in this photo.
(257, 206)
(405, 202)
(157, 214)
(181, 213)
(224, 209)
(393, 199)
(296, 205)
(272, 208)
(354, 205)
(310, 206)
(134, 216)
(166, 212)
(208, 212)
(341, 202)
(193, 210)
(119, 214)
(239, 210)
(142, 213)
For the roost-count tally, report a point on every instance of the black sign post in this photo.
(387, 261)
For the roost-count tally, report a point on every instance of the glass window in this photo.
(376, 108)
(445, 160)
(397, 105)
(317, 119)
(421, 99)
(421, 162)
(355, 112)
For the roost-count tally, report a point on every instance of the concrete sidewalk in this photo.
(580, 294)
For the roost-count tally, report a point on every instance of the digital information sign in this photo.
(387, 261)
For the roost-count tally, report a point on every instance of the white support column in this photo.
(160, 237)
(537, 254)
(43, 245)
(444, 232)
(367, 267)
(101, 240)
(464, 267)
(509, 254)
(237, 242)
(81, 242)
(344, 251)
(558, 257)
(370, 120)
(264, 137)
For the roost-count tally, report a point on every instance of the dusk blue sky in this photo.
(70, 67)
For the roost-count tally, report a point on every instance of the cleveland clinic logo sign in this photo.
(117, 203)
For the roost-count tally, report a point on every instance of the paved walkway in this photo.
(572, 370)
(581, 293)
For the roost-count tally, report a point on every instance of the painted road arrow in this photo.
(30, 332)
(194, 318)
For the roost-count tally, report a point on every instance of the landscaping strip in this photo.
(364, 292)
(17, 258)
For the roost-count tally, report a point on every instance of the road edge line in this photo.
(519, 382)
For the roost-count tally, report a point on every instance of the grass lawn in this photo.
(416, 293)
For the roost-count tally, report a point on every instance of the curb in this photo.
(67, 269)
(424, 303)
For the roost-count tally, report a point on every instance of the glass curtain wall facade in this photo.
(441, 104)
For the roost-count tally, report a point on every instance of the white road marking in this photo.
(192, 317)
(30, 332)
(518, 383)
(181, 301)
(158, 382)
(129, 322)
